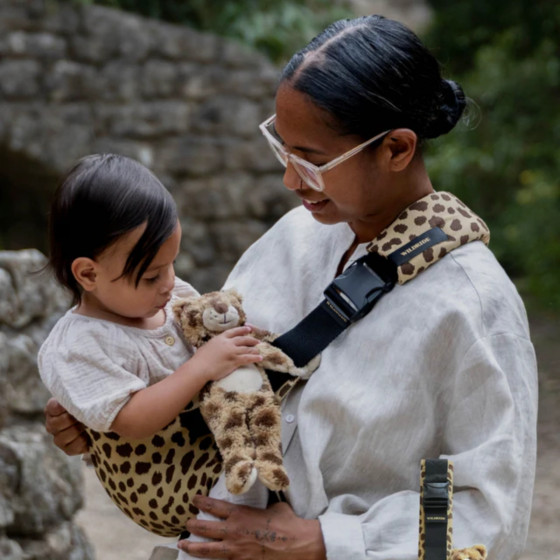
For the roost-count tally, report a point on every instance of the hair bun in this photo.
(451, 104)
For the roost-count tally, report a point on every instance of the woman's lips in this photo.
(314, 206)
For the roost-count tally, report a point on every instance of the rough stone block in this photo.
(10, 550)
(25, 392)
(43, 46)
(250, 155)
(108, 34)
(19, 79)
(182, 43)
(192, 156)
(33, 298)
(49, 484)
(119, 81)
(62, 542)
(143, 120)
(159, 79)
(71, 81)
(226, 115)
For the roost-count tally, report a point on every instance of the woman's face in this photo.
(357, 191)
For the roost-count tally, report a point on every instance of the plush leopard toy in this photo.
(477, 552)
(241, 409)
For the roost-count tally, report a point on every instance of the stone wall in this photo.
(40, 487)
(76, 80)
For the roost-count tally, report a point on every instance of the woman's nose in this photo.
(291, 178)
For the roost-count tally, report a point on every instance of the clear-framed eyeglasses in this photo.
(310, 173)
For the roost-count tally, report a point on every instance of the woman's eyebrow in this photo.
(298, 148)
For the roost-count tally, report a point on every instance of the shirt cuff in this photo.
(343, 536)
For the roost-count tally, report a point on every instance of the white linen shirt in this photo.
(442, 367)
(92, 366)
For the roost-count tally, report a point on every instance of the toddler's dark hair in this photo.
(103, 197)
(372, 74)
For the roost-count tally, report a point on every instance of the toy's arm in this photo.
(275, 359)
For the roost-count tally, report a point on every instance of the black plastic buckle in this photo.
(436, 502)
(353, 293)
(436, 495)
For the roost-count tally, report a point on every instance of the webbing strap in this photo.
(436, 501)
(348, 298)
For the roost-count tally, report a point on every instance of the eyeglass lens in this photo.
(307, 174)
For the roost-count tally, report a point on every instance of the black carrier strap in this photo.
(348, 298)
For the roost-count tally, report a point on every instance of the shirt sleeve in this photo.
(488, 421)
(82, 373)
(183, 289)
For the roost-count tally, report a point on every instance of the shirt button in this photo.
(289, 418)
(169, 340)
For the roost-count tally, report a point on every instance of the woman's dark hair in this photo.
(372, 74)
(102, 198)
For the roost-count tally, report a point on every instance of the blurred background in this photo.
(182, 85)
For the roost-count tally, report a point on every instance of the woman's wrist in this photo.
(312, 545)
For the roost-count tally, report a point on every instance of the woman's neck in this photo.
(413, 186)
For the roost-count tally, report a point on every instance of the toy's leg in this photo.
(265, 428)
(225, 414)
(477, 552)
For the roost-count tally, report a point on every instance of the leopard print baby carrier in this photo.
(153, 480)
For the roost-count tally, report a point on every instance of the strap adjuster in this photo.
(352, 294)
(436, 495)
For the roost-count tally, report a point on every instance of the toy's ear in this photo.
(236, 299)
(234, 294)
(186, 311)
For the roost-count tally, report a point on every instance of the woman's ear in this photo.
(84, 270)
(402, 143)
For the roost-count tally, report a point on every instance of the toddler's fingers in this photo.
(250, 358)
(248, 341)
(237, 331)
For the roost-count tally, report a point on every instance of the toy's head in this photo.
(205, 316)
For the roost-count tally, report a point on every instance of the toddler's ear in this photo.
(84, 270)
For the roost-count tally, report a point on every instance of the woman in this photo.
(442, 367)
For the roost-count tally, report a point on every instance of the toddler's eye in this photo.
(151, 280)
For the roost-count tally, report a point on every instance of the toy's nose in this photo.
(221, 307)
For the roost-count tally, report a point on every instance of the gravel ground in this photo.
(115, 537)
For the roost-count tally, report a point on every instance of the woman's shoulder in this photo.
(470, 284)
(298, 235)
(183, 289)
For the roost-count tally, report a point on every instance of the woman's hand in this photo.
(244, 533)
(68, 434)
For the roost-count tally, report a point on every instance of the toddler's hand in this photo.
(226, 352)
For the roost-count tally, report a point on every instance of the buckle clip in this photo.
(352, 294)
(436, 495)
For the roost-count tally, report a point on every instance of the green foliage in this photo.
(506, 55)
(275, 28)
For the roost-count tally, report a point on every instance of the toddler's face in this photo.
(118, 297)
